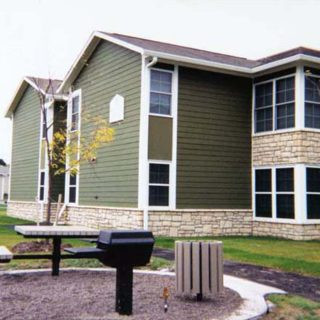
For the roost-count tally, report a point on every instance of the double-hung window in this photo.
(313, 193)
(72, 188)
(312, 102)
(74, 109)
(159, 184)
(263, 107)
(263, 196)
(285, 103)
(75, 113)
(160, 92)
(42, 185)
(285, 193)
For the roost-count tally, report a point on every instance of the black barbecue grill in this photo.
(122, 250)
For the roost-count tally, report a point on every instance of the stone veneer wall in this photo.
(286, 148)
(286, 230)
(28, 210)
(188, 223)
(105, 218)
(177, 223)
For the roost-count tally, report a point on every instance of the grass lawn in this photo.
(293, 308)
(9, 238)
(295, 256)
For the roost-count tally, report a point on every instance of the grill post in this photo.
(56, 255)
(124, 290)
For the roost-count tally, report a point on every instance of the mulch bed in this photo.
(91, 295)
(36, 246)
(293, 283)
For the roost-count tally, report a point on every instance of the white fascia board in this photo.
(18, 94)
(199, 62)
(295, 58)
(88, 49)
(119, 42)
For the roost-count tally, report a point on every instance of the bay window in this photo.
(274, 104)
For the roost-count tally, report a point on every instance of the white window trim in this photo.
(172, 72)
(49, 107)
(300, 194)
(67, 175)
(274, 105)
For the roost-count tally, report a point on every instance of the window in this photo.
(263, 196)
(42, 185)
(160, 92)
(72, 188)
(44, 127)
(285, 193)
(263, 107)
(158, 184)
(274, 105)
(313, 193)
(285, 103)
(274, 193)
(312, 102)
(75, 113)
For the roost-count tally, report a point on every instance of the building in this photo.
(4, 181)
(205, 143)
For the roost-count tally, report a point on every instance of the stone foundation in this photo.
(286, 230)
(191, 223)
(286, 148)
(179, 223)
(105, 218)
(29, 210)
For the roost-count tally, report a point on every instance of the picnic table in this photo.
(56, 233)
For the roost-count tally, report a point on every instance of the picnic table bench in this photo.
(56, 233)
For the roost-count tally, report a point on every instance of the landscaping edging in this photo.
(254, 305)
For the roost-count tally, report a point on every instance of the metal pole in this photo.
(124, 290)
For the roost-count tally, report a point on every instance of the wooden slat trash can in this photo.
(199, 268)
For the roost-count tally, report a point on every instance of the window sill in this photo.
(161, 115)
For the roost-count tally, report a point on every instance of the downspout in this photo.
(145, 210)
(152, 62)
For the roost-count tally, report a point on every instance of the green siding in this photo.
(113, 179)
(25, 148)
(160, 138)
(214, 141)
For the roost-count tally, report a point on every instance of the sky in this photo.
(43, 37)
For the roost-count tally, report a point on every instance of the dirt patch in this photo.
(36, 246)
(91, 295)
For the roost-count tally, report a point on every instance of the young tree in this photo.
(66, 150)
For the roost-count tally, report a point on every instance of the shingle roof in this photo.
(184, 51)
(209, 55)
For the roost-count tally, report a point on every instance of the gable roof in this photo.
(187, 55)
(45, 86)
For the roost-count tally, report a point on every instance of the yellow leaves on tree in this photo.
(70, 148)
